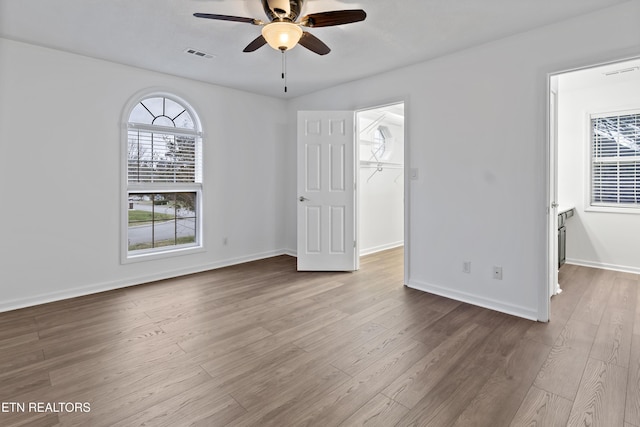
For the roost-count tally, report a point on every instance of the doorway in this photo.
(591, 153)
(380, 145)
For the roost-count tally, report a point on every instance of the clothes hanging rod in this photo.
(381, 167)
(375, 163)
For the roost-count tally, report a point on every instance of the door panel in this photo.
(326, 194)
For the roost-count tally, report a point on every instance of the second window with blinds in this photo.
(164, 179)
(615, 161)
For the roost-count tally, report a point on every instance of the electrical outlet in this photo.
(497, 273)
(466, 267)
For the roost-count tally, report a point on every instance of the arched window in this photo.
(164, 177)
(381, 148)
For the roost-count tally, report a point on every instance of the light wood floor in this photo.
(262, 345)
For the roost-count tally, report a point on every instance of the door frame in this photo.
(551, 172)
(406, 187)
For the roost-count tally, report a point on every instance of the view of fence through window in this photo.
(161, 219)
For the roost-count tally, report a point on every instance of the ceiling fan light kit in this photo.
(282, 35)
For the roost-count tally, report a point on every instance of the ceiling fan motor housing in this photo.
(282, 10)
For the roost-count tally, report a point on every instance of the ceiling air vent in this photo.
(621, 71)
(199, 53)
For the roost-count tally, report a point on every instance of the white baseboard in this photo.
(290, 252)
(492, 304)
(603, 265)
(129, 281)
(380, 248)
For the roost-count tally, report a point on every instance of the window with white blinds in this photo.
(615, 160)
(164, 177)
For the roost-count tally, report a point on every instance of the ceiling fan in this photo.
(283, 32)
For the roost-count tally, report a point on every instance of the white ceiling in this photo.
(153, 34)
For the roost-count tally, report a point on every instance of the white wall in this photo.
(60, 136)
(476, 131)
(381, 193)
(599, 239)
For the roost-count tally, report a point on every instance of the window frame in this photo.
(589, 205)
(127, 189)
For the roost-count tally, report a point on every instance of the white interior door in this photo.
(326, 191)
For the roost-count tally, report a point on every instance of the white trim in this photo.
(380, 248)
(514, 310)
(601, 113)
(634, 210)
(132, 281)
(603, 265)
(164, 129)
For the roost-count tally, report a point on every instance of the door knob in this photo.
(302, 198)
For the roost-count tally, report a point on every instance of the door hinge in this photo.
(354, 243)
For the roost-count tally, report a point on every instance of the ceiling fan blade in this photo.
(256, 44)
(336, 17)
(314, 44)
(228, 18)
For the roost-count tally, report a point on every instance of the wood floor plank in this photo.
(613, 341)
(509, 385)
(411, 387)
(27, 419)
(15, 383)
(17, 360)
(574, 281)
(632, 407)
(541, 408)
(347, 324)
(624, 293)
(380, 411)
(636, 317)
(601, 397)
(136, 401)
(593, 302)
(29, 340)
(342, 402)
(267, 388)
(353, 361)
(562, 371)
(303, 394)
(546, 332)
(204, 404)
(448, 398)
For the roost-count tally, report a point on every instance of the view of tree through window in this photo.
(161, 219)
(163, 176)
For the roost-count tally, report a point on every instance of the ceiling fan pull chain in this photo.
(284, 69)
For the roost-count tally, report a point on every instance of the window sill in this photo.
(155, 255)
(615, 210)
